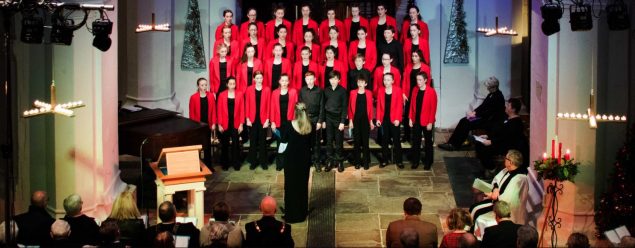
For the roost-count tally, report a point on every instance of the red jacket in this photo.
(244, 30)
(289, 46)
(405, 30)
(296, 80)
(250, 103)
(378, 78)
(424, 46)
(270, 28)
(428, 108)
(324, 31)
(371, 54)
(239, 110)
(241, 74)
(218, 35)
(234, 49)
(286, 68)
(390, 21)
(195, 108)
(363, 22)
(337, 66)
(316, 54)
(298, 32)
(214, 72)
(342, 52)
(274, 111)
(396, 104)
(405, 85)
(260, 48)
(352, 101)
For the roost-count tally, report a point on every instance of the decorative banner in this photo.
(456, 47)
(193, 56)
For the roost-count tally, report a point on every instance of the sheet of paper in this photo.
(282, 147)
(482, 185)
(181, 241)
(622, 231)
(479, 139)
(186, 220)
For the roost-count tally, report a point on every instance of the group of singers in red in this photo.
(379, 80)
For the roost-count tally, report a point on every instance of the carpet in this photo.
(462, 172)
(321, 231)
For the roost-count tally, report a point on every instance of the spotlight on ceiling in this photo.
(551, 14)
(32, 28)
(63, 27)
(102, 28)
(618, 18)
(581, 18)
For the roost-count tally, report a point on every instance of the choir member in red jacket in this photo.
(423, 110)
(364, 46)
(203, 109)
(303, 24)
(281, 113)
(228, 17)
(389, 113)
(272, 25)
(253, 39)
(331, 64)
(275, 67)
(334, 41)
(251, 18)
(311, 42)
(221, 67)
(416, 43)
(380, 71)
(331, 21)
(233, 48)
(288, 48)
(231, 115)
(409, 82)
(414, 18)
(301, 67)
(353, 23)
(257, 101)
(360, 119)
(379, 23)
(248, 65)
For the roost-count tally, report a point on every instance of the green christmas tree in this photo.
(193, 56)
(456, 47)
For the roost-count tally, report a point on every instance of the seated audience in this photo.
(110, 235)
(221, 232)
(3, 229)
(60, 235)
(578, 240)
(84, 229)
(126, 214)
(167, 215)
(468, 240)
(427, 231)
(504, 233)
(163, 240)
(627, 242)
(457, 221)
(409, 238)
(268, 232)
(527, 237)
(35, 223)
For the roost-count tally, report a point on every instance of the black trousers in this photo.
(405, 119)
(361, 150)
(230, 154)
(463, 129)
(334, 141)
(315, 137)
(257, 144)
(390, 133)
(417, 131)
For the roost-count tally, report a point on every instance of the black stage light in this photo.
(60, 34)
(551, 14)
(32, 29)
(618, 18)
(102, 28)
(580, 17)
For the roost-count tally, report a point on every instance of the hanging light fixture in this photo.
(497, 31)
(165, 27)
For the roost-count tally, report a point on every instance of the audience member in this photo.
(110, 234)
(458, 220)
(527, 237)
(468, 240)
(35, 223)
(85, 230)
(164, 240)
(578, 240)
(627, 242)
(409, 238)
(3, 229)
(167, 215)
(427, 231)
(60, 235)
(221, 232)
(268, 232)
(503, 234)
(126, 214)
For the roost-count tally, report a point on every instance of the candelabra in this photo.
(52, 107)
(497, 31)
(165, 27)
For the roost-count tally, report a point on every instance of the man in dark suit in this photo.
(167, 214)
(492, 110)
(426, 230)
(268, 232)
(503, 234)
(35, 225)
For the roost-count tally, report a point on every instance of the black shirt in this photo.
(204, 109)
(413, 79)
(305, 68)
(84, 230)
(361, 51)
(250, 75)
(276, 72)
(229, 51)
(327, 72)
(419, 103)
(379, 37)
(284, 104)
(258, 97)
(395, 49)
(314, 103)
(414, 47)
(352, 78)
(284, 52)
(304, 29)
(222, 68)
(493, 107)
(335, 103)
(353, 31)
(230, 113)
(360, 109)
(256, 50)
(387, 108)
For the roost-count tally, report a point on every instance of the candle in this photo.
(544, 157)
(553, 148)
(559, 151)
(567, 156)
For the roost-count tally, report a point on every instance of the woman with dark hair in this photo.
(233, 48)
(301, 67)
(257, 101)
(271, 28)
(379, 23)
(310, 41)
(337, 43)
(389, 113)
(283, 101)
(302, 25)
(331, 64)
(413, 18)
(354, 23)
(252, 16)
(288, 47)
(248, 65)
(422, 112)
(331, 21)
(221, 67)
(362, 45)
(380, 71)
(275, 67)
(228, 17)
(202, 109)
(255, 40)
(416, 43)
(231, 115)
(409, 82)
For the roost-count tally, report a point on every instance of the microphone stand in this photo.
(141, 184)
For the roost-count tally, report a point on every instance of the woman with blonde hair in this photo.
(458, 221)
(125, 212)
(296, 168)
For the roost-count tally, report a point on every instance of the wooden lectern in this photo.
(184, 171)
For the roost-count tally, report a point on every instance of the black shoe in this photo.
(237, 167)
(357, 166)
(414, 166)
(427, 167)
(400, 165)
(265, 166)
(447, 147)
(382, 164)
(253, 166)
(317, 167)
(279, 168)
(328, 167)
(366, 166)
(340, 166)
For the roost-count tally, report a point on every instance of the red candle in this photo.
(567, 156)
(559, 152)
(553, 148)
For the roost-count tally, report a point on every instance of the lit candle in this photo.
(544, 157)
(567, 156)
